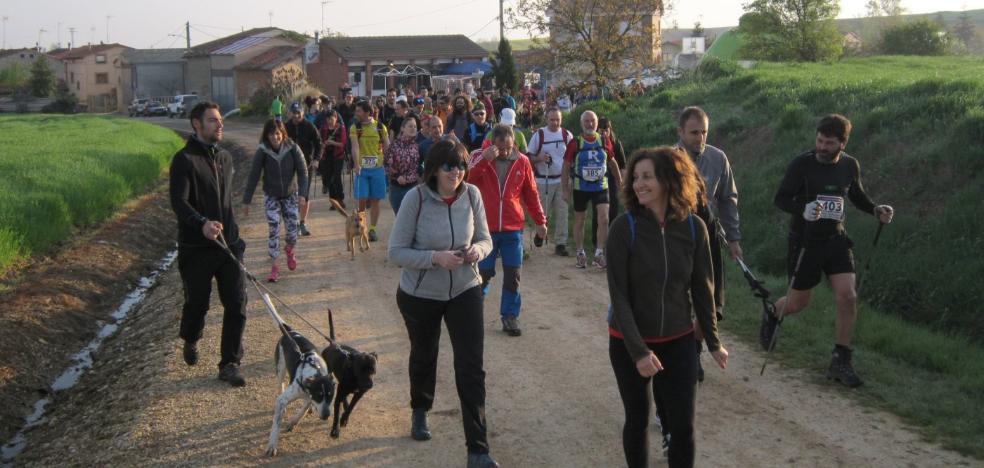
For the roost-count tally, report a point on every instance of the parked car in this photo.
(154, 108)
(181, 104)
(137, 106)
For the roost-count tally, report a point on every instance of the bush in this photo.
(921, 37)
(65, 102)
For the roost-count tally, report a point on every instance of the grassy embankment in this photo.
(58, 173)
(919, 135)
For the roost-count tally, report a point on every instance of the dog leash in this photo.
(266, 293)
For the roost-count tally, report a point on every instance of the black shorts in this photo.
(582, 198)
(831, 256)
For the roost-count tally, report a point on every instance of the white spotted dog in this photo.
(310, 379)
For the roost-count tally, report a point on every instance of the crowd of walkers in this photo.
(464, 185)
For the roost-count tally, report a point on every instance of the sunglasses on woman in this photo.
(448, 167)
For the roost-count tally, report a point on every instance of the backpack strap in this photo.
(420, 203)
(632, 228)
(693, 230)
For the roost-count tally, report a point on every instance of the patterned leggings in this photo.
(288, 209)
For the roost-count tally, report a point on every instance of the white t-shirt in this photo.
(555, 145)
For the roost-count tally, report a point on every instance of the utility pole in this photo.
(323, 15)
(58, 34)
(270, 14)
(502, 22)
(40, 32)
(108, 17)
(188, 35)
(3, 45)
(71, 38)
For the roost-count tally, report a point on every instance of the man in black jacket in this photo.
(201, 197)
(306, 135)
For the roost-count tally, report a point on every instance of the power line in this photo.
(166, 36)
(216, 27)
(203, 32)
(483, 27)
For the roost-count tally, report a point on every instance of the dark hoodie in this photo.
(201, 190)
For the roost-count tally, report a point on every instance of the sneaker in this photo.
(230, 373)
(372, 235)
(599, 261)
(582, 259)
(481, 460)
(291, 258)
(418, 425)
(190, 352)
(304, 231)
(274, 274)
(841, 369)
(510, 325)
(767, 328)
(561, 250)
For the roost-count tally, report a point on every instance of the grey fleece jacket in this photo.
(426, 224)
(278, 169)
(722, 194)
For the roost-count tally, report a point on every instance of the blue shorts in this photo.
(371, 184)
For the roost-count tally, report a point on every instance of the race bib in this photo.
(369, 162)
(831, 207)
(592, 173)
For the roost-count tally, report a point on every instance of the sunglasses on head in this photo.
(448, 167)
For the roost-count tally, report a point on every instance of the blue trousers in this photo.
(508, 245)
(396, 194)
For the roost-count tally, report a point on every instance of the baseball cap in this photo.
(402, 98)
(507, 116)
(295, 107)
(418, 101)
(478, 107)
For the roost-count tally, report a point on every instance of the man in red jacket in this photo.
(505, 178)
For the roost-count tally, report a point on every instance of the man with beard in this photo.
(813, 192)
(201, 197)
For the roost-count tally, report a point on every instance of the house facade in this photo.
(93, 74)
(371, 65)
(153, 73)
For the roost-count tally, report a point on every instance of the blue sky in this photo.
(146, 24)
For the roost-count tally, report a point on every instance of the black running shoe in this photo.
(841, 369)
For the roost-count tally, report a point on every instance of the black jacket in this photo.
(306, 135)
(201, 190)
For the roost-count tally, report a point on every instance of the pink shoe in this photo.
(291, 260)
(274, 274)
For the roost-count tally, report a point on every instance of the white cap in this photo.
(507, 116)
(402, 97)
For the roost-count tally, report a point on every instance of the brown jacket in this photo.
(660, 280)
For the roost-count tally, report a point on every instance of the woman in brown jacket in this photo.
(659, 277)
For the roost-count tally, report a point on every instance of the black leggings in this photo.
(675, 386)
(331, 176)
(463, 317)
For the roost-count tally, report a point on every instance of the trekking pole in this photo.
(785, 305)
(867, 263)
(266, 294)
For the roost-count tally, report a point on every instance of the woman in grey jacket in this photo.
(279, 160)
(439, 236)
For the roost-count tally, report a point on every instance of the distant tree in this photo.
(65, 102)
(801, 30)
(42, 79)
(14, 76)
(504, 67)
(596, 41)
(920, 37)
(967, 33)
(698, 30)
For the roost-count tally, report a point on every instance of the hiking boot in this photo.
(418, 425)
(582, 259)
(599, 261)
(481, 460)
(841, 369)
(510, 325)
(561, 250)
(274, 274)
(230, 373)
(291, 258)
(372, 235)
(767, 328)
(190, 352)
(304, 231)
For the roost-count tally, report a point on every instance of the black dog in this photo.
(353, 370)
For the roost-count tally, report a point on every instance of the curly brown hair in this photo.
(675, 172)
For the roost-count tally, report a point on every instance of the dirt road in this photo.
(552, 399)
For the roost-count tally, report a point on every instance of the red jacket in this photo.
(504, 205)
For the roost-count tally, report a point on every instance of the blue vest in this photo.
(590, 166)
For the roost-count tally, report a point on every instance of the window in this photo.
(102, 78)
(101, 58)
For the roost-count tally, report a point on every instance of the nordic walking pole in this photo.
(782, 312)
(867, 263)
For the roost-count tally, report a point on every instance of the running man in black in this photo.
(813, 192)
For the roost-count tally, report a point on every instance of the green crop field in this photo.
(58, 173)
(919, 135)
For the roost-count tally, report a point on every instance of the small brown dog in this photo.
(355, 227)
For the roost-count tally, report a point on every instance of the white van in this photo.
(181, 104)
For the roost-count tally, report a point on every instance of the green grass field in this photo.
(919, 135)
(58, 173)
